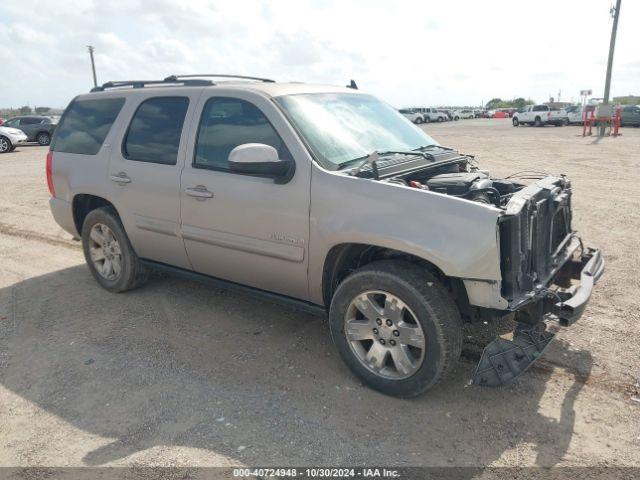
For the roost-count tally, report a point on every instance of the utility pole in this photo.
(93, 65)
(615, 13)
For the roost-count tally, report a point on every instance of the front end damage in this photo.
(547, 274)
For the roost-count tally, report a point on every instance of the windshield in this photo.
(341, 127)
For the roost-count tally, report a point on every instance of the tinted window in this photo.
(11, 123)
(540, 108)
(227, 123)
(30, 121)
(85, 124)
(154, 133)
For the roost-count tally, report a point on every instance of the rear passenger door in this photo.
(30, 126)
(144, 173)
(242, 228)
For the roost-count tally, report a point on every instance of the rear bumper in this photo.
(62, 212)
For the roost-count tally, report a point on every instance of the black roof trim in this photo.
(221, 75)
(144, 83)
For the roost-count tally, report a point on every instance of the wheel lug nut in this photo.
(396, 333)
(382, 341)
(389, 323)
(379, 322)
(392, 342)
(375, 330)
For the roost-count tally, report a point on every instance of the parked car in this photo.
(37, 128)
(362, 217)
(412, 115)
(10, 138)
(540, 115)
(630, 116)
(431, 114)
(575, 114)
(464, 114)
(448, 115)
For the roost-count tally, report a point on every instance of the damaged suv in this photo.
(326, 199)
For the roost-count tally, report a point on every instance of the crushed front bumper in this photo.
(565, 300)
(572, 301)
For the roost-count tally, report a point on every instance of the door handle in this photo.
(120, 178)
(199, 191)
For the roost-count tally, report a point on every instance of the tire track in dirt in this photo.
(12, 231)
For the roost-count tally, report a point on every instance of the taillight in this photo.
(52, 190)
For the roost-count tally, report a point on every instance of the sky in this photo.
(409, 53)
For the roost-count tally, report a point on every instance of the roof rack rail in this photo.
(222, 75)
(144, 83)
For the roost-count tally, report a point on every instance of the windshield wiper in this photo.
(424, 147)
(366, 158)
(373, 157)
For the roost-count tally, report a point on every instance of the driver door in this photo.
(237, 227)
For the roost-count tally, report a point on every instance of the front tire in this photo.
(5, 145)
(396, 327)
(418, 121)
(515, 122)
(108, 252)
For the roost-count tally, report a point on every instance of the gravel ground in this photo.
(180, 374)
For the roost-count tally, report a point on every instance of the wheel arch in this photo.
(344, 258)
(83, 203)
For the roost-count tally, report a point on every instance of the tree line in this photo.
(518, 103)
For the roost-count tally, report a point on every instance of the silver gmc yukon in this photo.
(328, 200)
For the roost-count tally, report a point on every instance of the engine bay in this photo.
(461, 180)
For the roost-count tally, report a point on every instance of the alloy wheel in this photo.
(384, 334)
(4, 145)
(105, 252)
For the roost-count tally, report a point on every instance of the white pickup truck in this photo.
(540, 115)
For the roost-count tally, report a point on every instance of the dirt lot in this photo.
(178, 373)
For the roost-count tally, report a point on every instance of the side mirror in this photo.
(260, 160)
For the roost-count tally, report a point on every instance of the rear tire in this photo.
(418, 121)
(43, 139)
(537, 122)
(5, 145)
(418, 304)
(103, 241)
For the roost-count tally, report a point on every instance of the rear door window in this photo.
(85, 124)
(155, 130)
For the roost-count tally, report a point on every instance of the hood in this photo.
(11, 130)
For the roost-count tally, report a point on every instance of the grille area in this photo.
(530, 239)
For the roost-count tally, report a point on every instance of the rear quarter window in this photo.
(85, 124)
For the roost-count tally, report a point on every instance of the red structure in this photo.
(590, 119)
